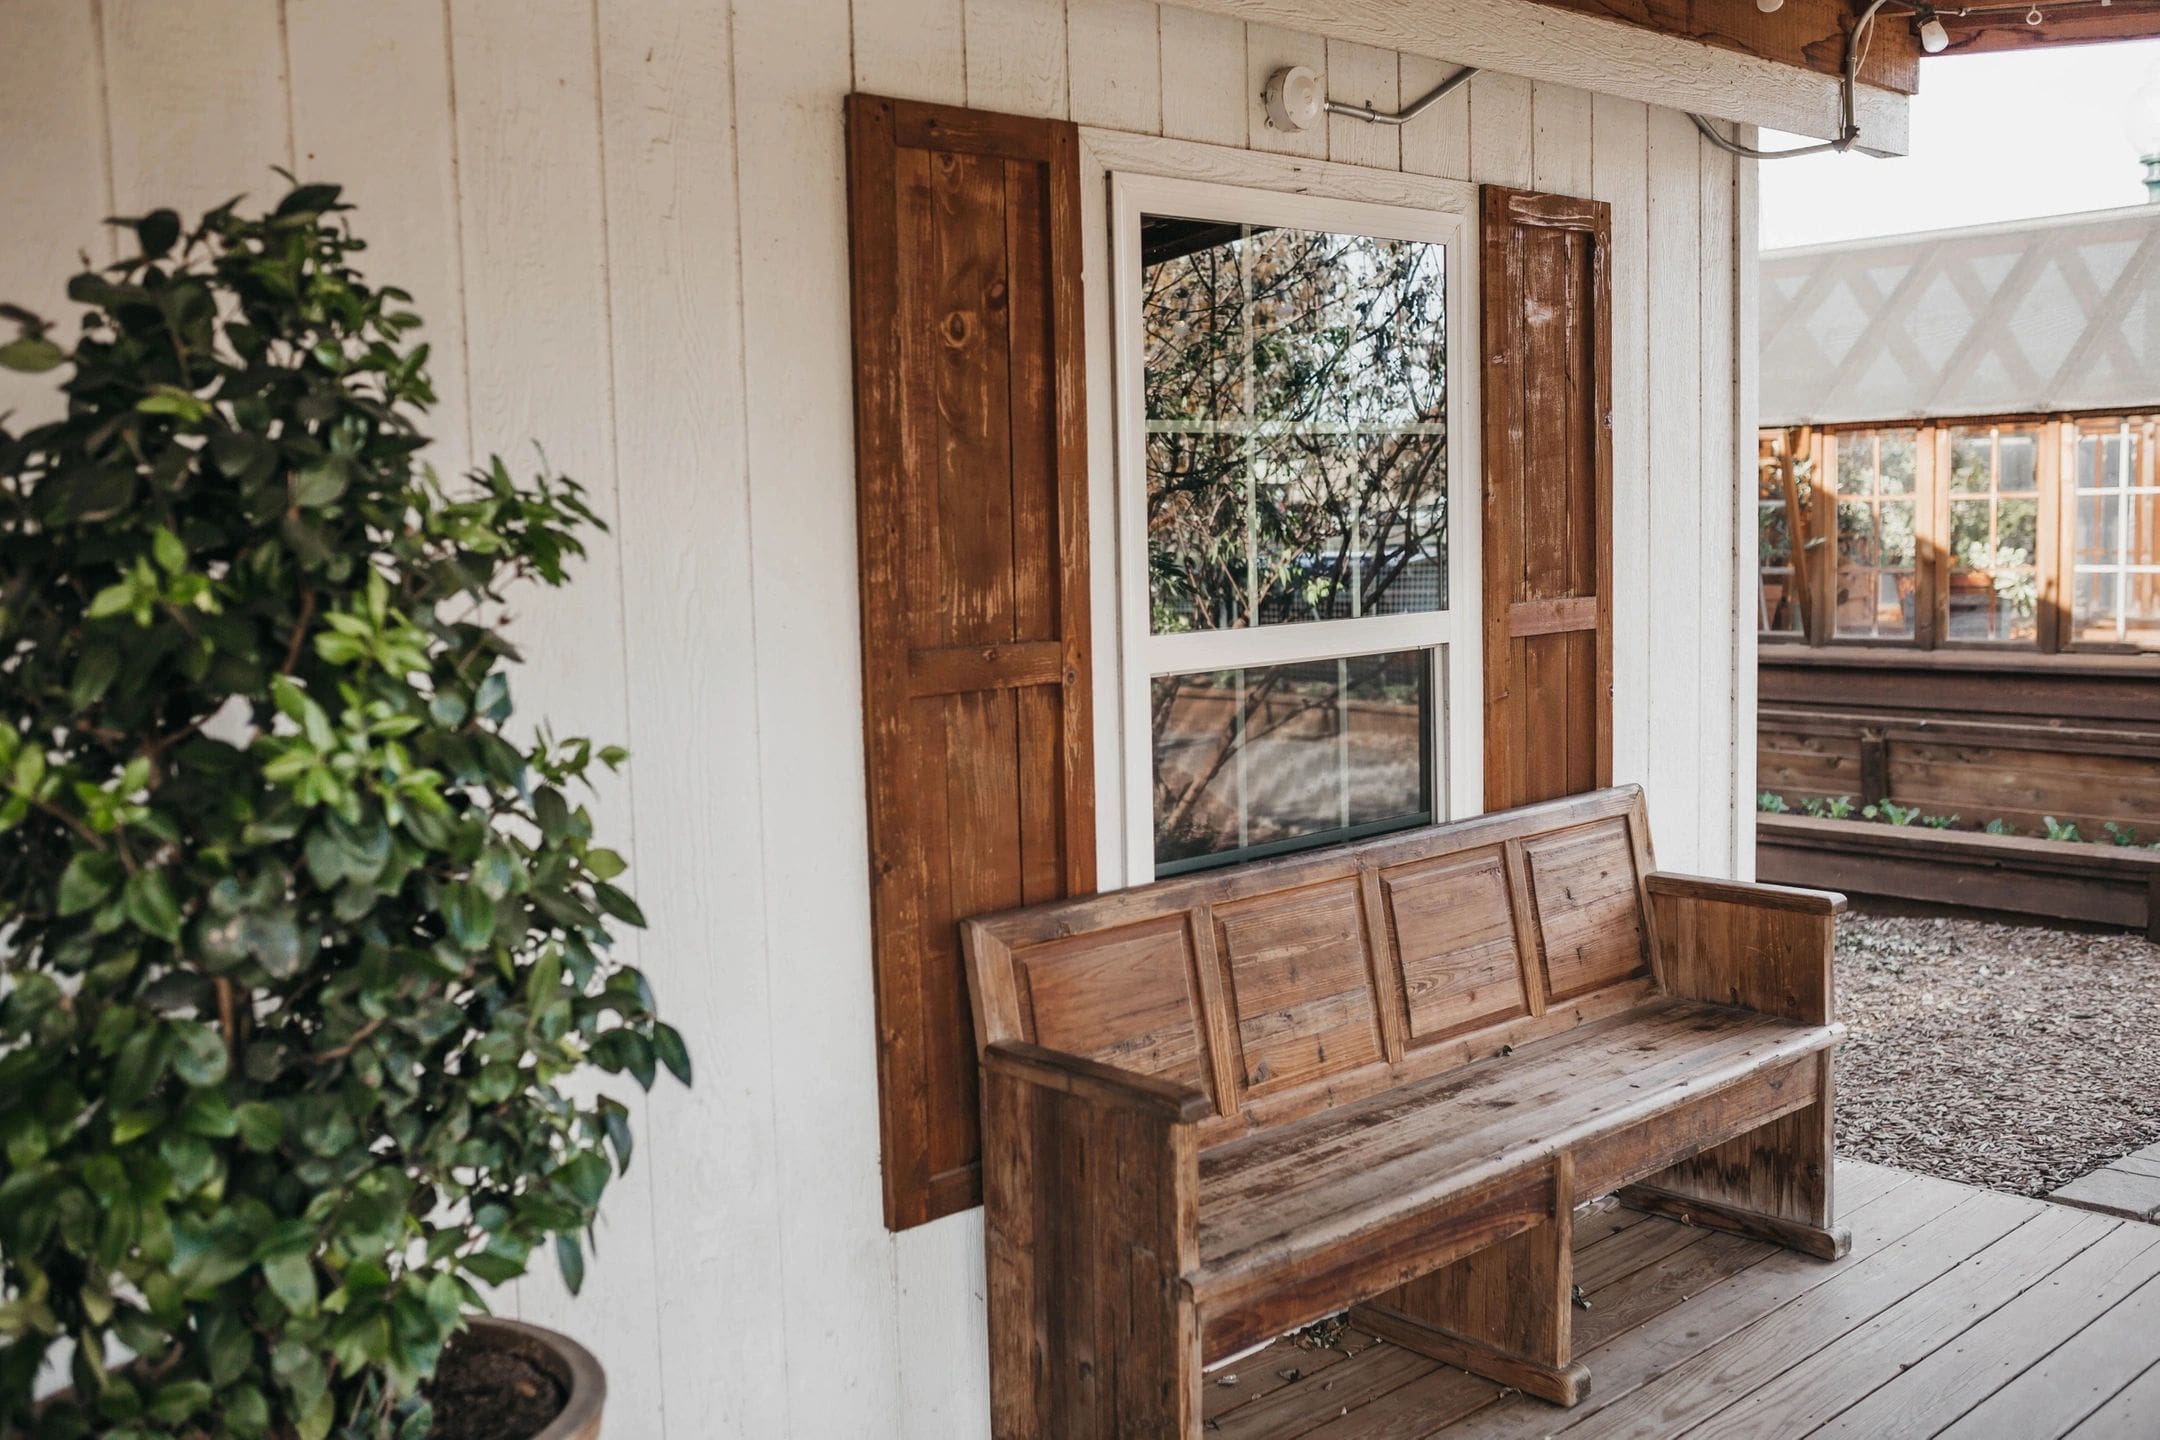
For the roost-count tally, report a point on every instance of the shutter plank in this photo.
(1548, 496)
(973, 533)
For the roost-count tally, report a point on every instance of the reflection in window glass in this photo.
(1296, 404)
(1257, 761)
(1876, 553)
(2115, 594)
(1994, 534)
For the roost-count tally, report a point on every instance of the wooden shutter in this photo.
(1547, 283)
(973, 509)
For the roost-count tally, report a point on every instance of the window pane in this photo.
(1969, 529)
(2095, 599)
(1972, 461)
(2018, 459)
(1857, 543)
(2142, 595)
(1348, 526)
(1248, 762)
(1877, 603)
(2017, 529)
(1900, 461)
(1896, 532)
(2099, 527)
(1296, 395)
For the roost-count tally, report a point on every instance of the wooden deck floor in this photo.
(1960, 1312)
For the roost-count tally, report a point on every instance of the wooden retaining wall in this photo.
(1978, 770)
(2015, 874)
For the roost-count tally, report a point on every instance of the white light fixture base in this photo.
(1294, 98)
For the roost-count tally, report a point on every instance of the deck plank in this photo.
(2025, 1337)
(1298, 1409)
(1961, 1313)
(1425, 1406)
(1678, 1334)
(1262, 1374)
(2128, 1415)
(1912, 1362)
(1746, 1356)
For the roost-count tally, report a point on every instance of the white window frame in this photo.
(1172, 178)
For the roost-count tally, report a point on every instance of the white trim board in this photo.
(1522, 37)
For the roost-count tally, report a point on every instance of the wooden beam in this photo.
(2064, 22)
(1809, 34)
(1606, 56)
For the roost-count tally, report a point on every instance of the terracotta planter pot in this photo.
(572, 1365)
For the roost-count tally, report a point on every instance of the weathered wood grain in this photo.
(973, 528)
(1380, 1115)
(1546, 299)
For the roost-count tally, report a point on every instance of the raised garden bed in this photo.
(2005, 874)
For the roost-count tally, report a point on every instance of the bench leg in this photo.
(1774, 1183)
(1089, 1229)
(1504, 1312)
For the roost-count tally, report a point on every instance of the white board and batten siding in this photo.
(625, 220)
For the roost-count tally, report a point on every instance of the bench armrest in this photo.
(1746, 892)
(1730, 942)
(1086, 1079)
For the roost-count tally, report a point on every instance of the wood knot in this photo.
(959, 326)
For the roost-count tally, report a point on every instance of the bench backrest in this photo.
(1289, 985)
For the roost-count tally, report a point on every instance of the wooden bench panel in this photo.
(1299, 969)
(1452, 923)
(1302, 983)
(1587, 895)
(1127, 998)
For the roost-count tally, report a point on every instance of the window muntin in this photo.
(1297, 519)
(2115, 591)
(1296, 402)
(1994, 529)
(1253, 762)
(1877, 549)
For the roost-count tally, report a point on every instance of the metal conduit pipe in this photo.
(1409, 112)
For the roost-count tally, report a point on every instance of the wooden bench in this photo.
(1380, 1076)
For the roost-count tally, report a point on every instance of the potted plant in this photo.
(301, 939)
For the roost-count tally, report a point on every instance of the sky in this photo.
(1994, 137)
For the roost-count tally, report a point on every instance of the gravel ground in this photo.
(2012, 1057)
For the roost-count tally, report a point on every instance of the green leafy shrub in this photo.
(302, 942)
(1772, 803)
(2056, 830)
(2125, 836)
(1940, 822)
(1999, 827)
(1889, 812)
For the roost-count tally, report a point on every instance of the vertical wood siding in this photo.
(625, 220)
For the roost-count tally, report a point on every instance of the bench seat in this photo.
(1353, 1179)
(1379, 1077)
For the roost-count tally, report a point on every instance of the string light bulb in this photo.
(1769, 7)
(1934, 38)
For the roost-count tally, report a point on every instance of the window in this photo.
(1994, 500)
(2115, 599)
(2026, 533)
(1877, 515)
(1294, 519)
(1780, 607)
